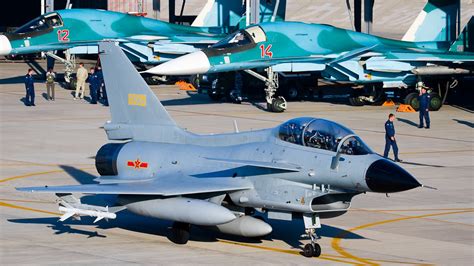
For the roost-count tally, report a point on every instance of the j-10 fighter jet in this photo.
(340, 55)
(306, 168)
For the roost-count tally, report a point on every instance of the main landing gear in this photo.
(311, 223)
(70, 65)
(275, 103)
(180, 233)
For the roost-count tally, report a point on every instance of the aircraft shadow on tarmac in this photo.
(287, 231)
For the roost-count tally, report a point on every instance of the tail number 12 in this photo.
(63, 35)
(266, 51)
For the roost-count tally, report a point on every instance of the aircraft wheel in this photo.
(278, 105)
(292, 93)
(356, 101)
(317, 250)
(435, 102)
(71, 85)
(412, 99)
(181, 233)
(308, 250)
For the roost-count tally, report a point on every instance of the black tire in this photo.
(181, 233)
(356, 101)
(317, 250)
(412, 99)
(308, 250)
(292, 93)
(436, 102)
(72, 84)
(278, 105)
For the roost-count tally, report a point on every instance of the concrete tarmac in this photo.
(55, 143)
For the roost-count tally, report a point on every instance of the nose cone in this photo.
(190, 64)
(5, 46)
(387, 177)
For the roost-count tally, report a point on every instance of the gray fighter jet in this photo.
(306, 168)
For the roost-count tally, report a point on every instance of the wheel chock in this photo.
(185, 86)
(388, 103)
(405, 108)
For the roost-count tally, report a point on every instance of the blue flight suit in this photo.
(30, 90)
(389, 133)
(94, 85)
(424, 100)
(100, 75)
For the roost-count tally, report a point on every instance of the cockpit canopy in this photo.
(41, 24)
(251, 35)
(322, 134)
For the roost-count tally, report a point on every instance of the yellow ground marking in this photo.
(36, 174)
(27, 201)
(337, 240)
(4, 204)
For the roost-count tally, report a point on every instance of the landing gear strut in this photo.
(311, 223)
(181, 233)
(70, 64)
(275, 104)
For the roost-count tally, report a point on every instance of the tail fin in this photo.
(436, 22)
(136, 112)
(229, 14)
(465, 40)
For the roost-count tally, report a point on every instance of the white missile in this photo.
(72, 211)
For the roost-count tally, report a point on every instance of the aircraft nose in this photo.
(190, 64)
(387, 177)
(5, 46)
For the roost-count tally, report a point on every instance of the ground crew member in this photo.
(30, 88)
(50, 77)
(101, 86)
(81, 77)
(94, 85)
(424, 99)
(390, 138)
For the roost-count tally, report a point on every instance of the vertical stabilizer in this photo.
(136, 112)
(435, 23)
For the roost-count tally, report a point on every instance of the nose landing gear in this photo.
(274, 103)
(311, 223)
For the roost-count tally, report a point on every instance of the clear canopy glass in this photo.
(42, 23)
(322, 134)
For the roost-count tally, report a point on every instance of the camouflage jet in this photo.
(145, 40)
(338, 54)
(307, 168)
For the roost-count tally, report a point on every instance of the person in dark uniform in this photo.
(94, 85)
(30, 88)
(390, 138)
(101, 78)
(424, 98)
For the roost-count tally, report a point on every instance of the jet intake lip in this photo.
(385, 176)
(190, 64)
(5, 46)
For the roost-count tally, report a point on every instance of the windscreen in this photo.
(42, 23)
(236, 39)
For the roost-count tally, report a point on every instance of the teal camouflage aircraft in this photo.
(338, 54)
(145, 40)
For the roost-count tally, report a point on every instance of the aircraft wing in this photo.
(282, 166)
(163, 186)
(430, 57)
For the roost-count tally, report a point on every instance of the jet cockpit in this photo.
(322, 134)
(238, 41)
(38, 26)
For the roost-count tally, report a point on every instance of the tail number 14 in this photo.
(63, 35)
(265, 51)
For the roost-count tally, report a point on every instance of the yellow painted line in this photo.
(36, 174)
(337, 240)
(4, 204)
(287, 251)
(30, 175)
(27, 201)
